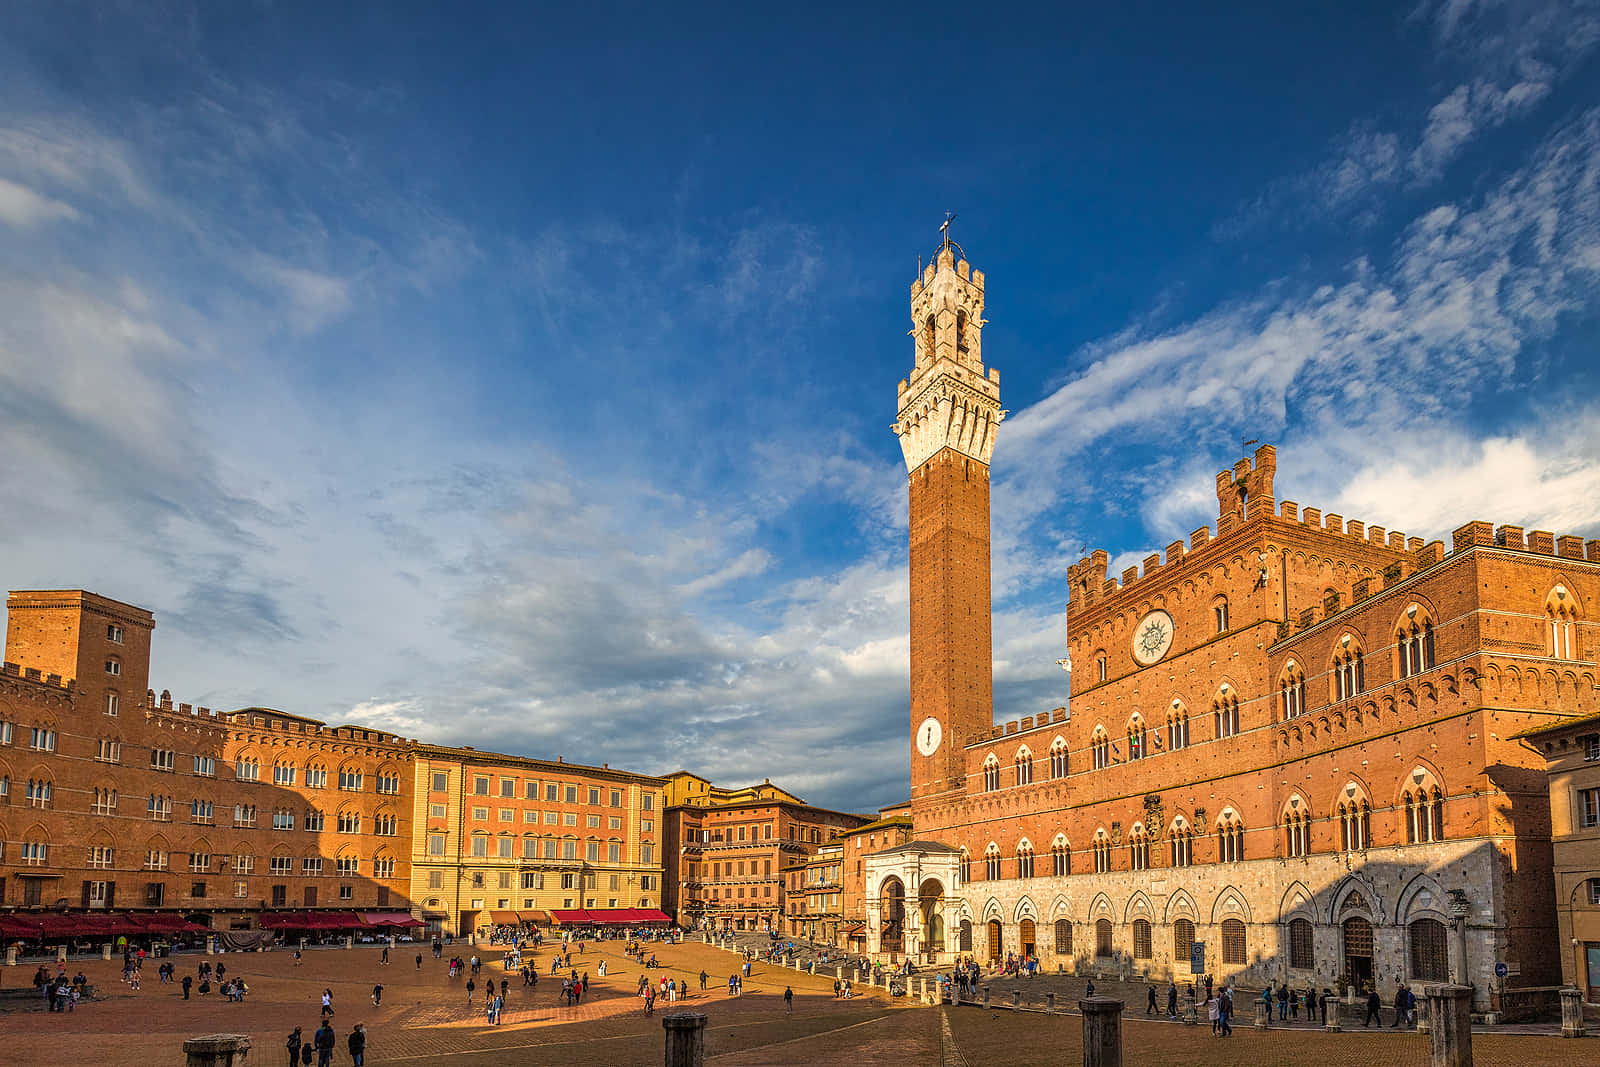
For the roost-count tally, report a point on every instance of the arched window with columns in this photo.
(1422, 802)
(1296, 828)
(1102, 851)
(1138, 848)
(1561, 607)
(1060, 856)
(1348, 672)
(1180, 842)
(1025, 858)
(1354, 811)
(991, 773)
(1413, 640)
(1100, 748)
(1292, 691)
(991, 861)
(1058, 758)
(1136, 737)
(1225, 711)
(1023, 762)
(1230, 837)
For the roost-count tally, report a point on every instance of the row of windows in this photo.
(504, 847)
(484, 785)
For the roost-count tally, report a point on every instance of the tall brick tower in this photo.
(949, 412)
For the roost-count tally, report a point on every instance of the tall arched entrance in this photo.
(994, 945)
(929, 895)
(1357, 950)
(1025, 936)
(892, 916)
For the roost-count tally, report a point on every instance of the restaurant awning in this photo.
(504, 918)
(311, 920)
(395, 919)
(613, 916)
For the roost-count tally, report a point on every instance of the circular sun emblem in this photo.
(1152, 637)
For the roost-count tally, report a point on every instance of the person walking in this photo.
(1374, 1009)
(471, 985)
(419, 961)
(1172, 1000)
(1150, 1001)
(703, 977)
(377, 995)
(293, 1045)
(1399, 1007)
(187, 983)
(327, 1004)
(385, 959)
(358, 1045)
(788, 1000)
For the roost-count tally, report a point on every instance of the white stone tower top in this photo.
(949, 401)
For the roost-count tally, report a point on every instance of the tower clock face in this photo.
(928, 736)
(1152, 637)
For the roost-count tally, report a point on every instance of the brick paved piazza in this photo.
(424, 1020)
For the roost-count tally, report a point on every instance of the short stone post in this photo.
(1330, 1013)
(11, 955)
(1451, 1035)
(349, 942)
(686, 1038)
(838, 972)
(986, 996)
(1102, 1031)
(105, 951)
(1049, 1003)
(61, 953)
(1263, 1015)
(211, 945)
(391, 942)
(1191, 1016)
(1571, 1012)
(302, 944)
(1016, 1000)
(1424, 1024)
(217, 1050)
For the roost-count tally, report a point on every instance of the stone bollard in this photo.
(1450, 1009)
(391, 942)
(838, 972)
(1049, 1003)
(1016, 1000)
(986, 996)
(1102, 1031)
(105, 951)
(1191, 1016)
(1330, 1012)
(1571, 1012)
(217, 1050)
(61, 953)
(1424, 1024)
(686, 1038)
(11, 955)
(350, 942)
(211, 946)
(1263, 1015)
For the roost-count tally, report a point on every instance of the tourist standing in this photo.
(358, 1045)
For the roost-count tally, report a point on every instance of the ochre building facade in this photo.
(1290, 739)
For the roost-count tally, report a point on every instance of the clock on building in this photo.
(1152, 637)
(929, 735)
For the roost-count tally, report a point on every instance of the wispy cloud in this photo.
(22, 207)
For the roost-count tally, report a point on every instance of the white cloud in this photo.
(22, 207)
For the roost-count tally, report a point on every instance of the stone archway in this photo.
(995, 942)
(892, 916)
(930, 895)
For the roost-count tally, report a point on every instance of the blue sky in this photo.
(522, 376)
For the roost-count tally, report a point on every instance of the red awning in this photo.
(504, 918)
(311, 920)
(395, 919)
(613, 916)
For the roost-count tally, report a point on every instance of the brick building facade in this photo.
(727, 850)
(114, 798)
(1289, 740)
